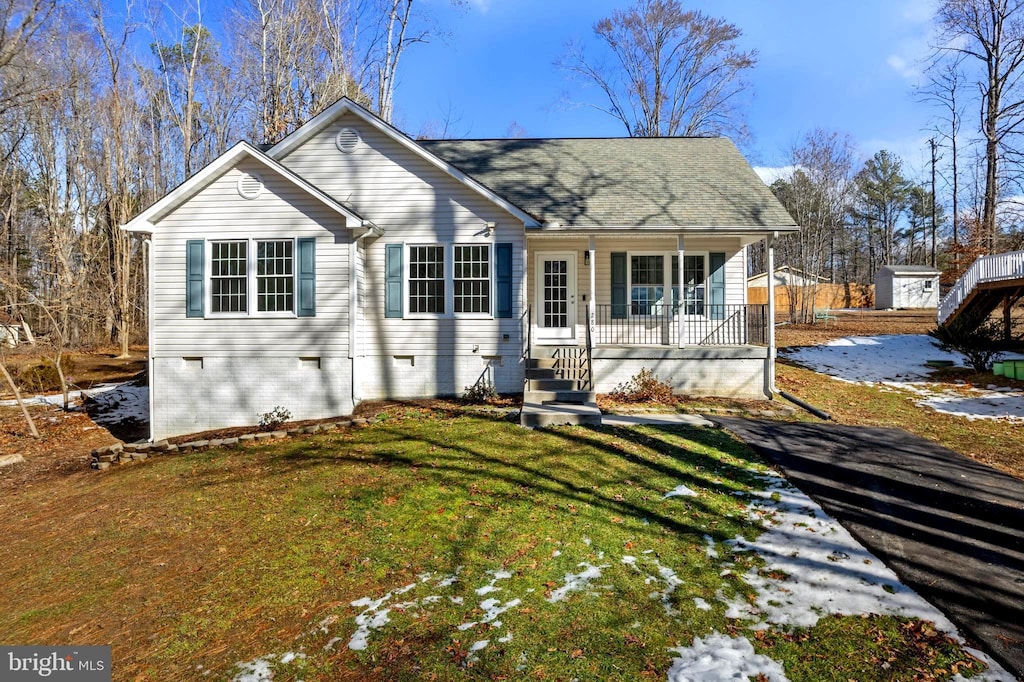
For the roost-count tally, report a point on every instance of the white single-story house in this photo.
(786, 276)
(906, 286)
(350, 262)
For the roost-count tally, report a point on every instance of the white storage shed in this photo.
(906, 286)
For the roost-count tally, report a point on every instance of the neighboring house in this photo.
(906, 286)
(785, 276)
(10, 331)
(349, 262)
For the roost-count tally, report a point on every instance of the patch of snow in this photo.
(680, 491)
(701, 604)
(824, 570)
(855, 359)
(332, 643)
(255, 671)
(290, 656)
(122, 403)
(719, 658)
(372, 618)
(506, 639)
(672, 581)
(577, 581)
(492, 609)
(814, 567)
(897, 362)
(496, 576)
(710, 550)
(481, 644)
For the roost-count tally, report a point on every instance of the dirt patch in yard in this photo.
(66, 439)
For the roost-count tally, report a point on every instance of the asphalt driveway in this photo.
(952, 529)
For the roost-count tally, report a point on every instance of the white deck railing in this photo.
(994, 268)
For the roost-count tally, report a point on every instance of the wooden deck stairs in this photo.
(991, 281)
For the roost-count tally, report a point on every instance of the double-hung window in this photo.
(240, 266)
(426, 280)
(647, 284)
(472, 279)
(229, 277)
(275, 276)
(449, 279)
(694, 280)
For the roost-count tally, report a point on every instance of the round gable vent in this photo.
(347, 140)
(250, 185)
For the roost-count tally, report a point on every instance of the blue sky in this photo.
(832, 64)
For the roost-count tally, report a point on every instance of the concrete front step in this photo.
(557, 414)
(542, 373)
(541, 363)
(551, 384)
(540, 397)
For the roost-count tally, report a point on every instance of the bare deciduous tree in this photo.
(666, 71)
(990, 33)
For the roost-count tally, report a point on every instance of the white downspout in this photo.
(147, 244)
(353, 303)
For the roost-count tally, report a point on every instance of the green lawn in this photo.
(448, 530)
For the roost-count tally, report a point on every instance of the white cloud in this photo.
(770, 174)
(905, 69)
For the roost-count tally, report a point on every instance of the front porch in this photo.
(661, 290)
(606, 306)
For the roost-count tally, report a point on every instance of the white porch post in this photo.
(770, 244)
(592, 301)
(682, 294)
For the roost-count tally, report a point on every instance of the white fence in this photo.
(994, 268)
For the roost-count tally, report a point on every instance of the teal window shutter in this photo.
(307, 277)
(716, 285)
(619, 288)
(393, 280)
(503, 277)
(194, 263)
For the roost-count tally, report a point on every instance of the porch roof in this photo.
(615, 183)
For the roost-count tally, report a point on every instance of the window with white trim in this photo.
(426, 280)
(471, 278)
(694, 292)
(647, 284)
(275, 276)
(240, 266)
(229, 276)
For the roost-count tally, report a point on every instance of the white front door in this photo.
(555, 313)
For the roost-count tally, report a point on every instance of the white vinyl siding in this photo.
(219, 213)
(415, 203)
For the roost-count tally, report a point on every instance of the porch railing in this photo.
(705, 325)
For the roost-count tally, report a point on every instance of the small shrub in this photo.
(41, 376)
(270, 421)
(644, 387)
(978, 345)
(480, 392)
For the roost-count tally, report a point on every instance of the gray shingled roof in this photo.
(653, 182)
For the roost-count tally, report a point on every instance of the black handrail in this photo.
(590, 356)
